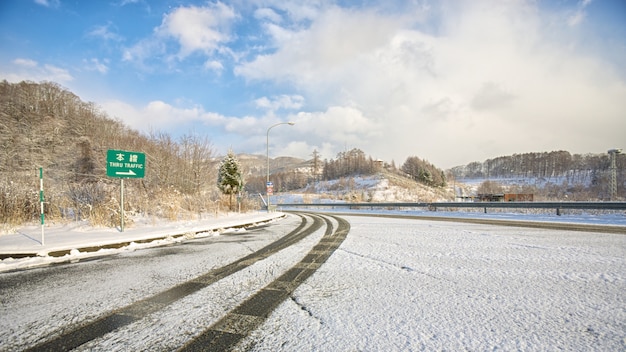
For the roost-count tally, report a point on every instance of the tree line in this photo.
(348, 163)
(566, 175)
(543, 164)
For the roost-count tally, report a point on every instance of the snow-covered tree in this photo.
(229, 177)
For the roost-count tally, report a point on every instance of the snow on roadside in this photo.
(145, 234)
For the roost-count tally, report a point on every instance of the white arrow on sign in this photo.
(126, 173)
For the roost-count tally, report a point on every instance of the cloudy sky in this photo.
(451, 81)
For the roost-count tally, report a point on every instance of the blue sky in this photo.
(448, 81)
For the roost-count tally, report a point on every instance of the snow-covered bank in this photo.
(146, 233)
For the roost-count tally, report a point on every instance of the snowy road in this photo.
(393, 284)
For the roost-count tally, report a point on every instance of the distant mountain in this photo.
(256, 165)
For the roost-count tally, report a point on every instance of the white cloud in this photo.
(267, 14)
(485, 81)
(105, 33)
(214, 65)
(578, 16)
(291, 102)
(48, 3)
(339, 125)
(30, 70)
(491, 96)
(201, 29)
(336, 39)
(25, 63)
(94, 64)
(144, 50)
(184, 31)
(158, 115)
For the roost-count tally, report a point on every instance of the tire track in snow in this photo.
(225, 334)
(73, 337)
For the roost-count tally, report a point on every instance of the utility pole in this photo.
(613, 169)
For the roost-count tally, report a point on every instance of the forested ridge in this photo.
(577, 167)
(586, 176)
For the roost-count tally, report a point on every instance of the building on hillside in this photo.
(518, 197)
(504, 197)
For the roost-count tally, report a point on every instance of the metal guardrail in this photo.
(558, 206)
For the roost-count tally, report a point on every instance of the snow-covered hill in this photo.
(383, 187)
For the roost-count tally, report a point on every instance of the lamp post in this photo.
(268, 158)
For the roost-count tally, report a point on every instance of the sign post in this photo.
(121, 205)
(41, 199)
(269, 191)
(124, 164)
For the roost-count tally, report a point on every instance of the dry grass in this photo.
(99, 203)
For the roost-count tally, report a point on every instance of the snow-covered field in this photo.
(393, 285)
(610, 218)
(397, 285)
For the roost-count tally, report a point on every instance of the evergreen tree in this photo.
(230, 178)
(423, 172)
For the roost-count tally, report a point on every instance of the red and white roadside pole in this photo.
(41, 202)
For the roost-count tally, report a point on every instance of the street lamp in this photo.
(268, 158)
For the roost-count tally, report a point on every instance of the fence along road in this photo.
(443, 205)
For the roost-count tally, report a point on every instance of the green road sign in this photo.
(124, 164)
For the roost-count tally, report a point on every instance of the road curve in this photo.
(503, 222)
(78, 334)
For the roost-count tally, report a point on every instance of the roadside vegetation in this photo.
(45, 125)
